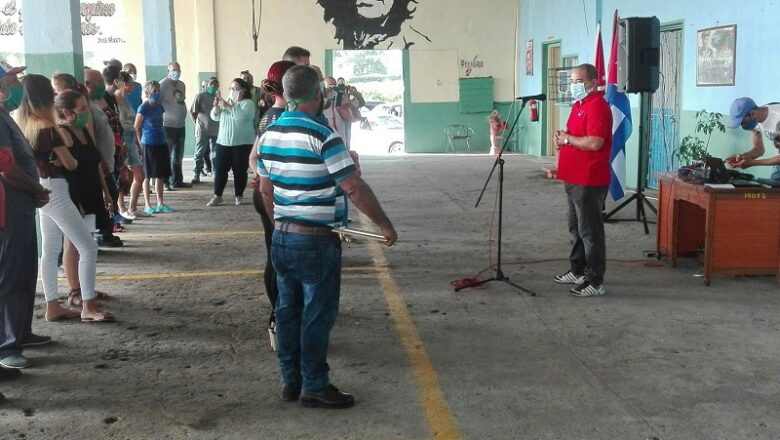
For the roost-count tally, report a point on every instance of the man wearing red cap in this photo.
(763, 121)
(18, 240)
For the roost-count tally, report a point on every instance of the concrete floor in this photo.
(660, 356)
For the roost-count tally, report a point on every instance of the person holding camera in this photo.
(342, 108)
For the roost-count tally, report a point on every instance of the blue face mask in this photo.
(154, 97)
(174, 75)
(578, 91)
(750, 123)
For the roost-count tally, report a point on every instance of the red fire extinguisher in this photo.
(534, 110)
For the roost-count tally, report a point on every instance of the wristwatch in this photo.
(566, 140)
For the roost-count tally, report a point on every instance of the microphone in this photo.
(539, 97)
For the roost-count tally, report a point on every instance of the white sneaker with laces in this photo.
(215, 200)
(239, 201)
(569, 278)
(588, 289)
(128, 215)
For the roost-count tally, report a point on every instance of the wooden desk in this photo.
(739, 228)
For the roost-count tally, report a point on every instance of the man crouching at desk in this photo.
(762, 120)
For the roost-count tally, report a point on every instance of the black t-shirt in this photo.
(268, 118)
(48, 139)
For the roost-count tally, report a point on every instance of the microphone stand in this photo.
(498, 274)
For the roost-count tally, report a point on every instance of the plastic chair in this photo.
(456, 133)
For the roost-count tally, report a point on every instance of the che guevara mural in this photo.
(373, 24)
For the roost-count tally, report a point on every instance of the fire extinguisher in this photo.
(534, 110)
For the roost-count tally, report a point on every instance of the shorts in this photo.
(157, 161)
(131, 147)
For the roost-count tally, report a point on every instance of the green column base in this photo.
(51, 63)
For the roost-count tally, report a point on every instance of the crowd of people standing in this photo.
(82, 153)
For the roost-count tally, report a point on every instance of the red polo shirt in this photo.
(589, 117)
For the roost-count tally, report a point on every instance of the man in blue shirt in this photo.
(305, 170)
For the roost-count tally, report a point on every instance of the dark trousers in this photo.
(103, 220)
(174, 137)
(236, 158)
(586, 226)
(269, 274)
(18, 276)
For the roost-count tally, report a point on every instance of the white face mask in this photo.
(578, 91)
(234, 95)
(132, 76)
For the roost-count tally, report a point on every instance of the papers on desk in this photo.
(719, 185)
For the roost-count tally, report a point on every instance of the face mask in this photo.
(14, 99)
(234, 95)
(750, 124)
(81, 120)
(99, 92)
(132, 76)
(211, 90)
(577, 91)
(154, 97)
(174, 75)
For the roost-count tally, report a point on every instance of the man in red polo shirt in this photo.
(583, 165)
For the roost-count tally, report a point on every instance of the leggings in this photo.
(59, 217)
(237, 158)
(269, 274)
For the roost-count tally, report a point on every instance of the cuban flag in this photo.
(621, 122)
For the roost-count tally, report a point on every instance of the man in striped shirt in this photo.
(305, 170)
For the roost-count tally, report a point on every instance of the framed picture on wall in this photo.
(716, 56)
(529, 58)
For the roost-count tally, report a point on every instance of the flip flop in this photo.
(102, 317)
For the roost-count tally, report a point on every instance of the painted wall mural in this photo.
(373, 24)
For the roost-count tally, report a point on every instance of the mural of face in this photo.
(374, 8)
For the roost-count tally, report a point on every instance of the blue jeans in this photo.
(205, 151)
(308, 274)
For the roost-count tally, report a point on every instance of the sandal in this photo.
(69, 314)
(74, 296)
(99, 317)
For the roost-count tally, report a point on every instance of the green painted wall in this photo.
(51, 63)
(156, 73)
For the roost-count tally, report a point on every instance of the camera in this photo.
(338, 94)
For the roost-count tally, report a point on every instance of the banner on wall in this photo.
(102, 31)
(11, 32)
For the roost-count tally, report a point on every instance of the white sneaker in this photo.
(215, 200)
(239, 201)
(569, 278)
(128, 215)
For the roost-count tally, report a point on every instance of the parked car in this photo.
(378, 135)
(388, 109)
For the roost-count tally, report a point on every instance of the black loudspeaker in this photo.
(639, 42)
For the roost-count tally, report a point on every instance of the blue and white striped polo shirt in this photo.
(305, 160)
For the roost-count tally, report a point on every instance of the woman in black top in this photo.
(272, 86)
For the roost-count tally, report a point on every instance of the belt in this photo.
(305, 230)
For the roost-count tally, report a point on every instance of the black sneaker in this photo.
(290, 393)
(329, 397)
(9, 374)
(109, 241)
(35, 340)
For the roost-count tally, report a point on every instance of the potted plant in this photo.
(692, 148)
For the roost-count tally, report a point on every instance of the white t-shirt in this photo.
(771, 129)
(337, 123)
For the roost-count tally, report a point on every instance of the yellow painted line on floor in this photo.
(206, 274)
(437, 412)
(154, 235)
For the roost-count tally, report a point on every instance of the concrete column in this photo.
(206, 40)
(52, 37)
(160, 37)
